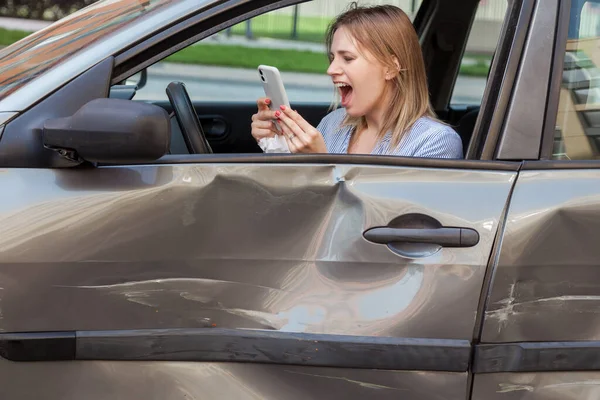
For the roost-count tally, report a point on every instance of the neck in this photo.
(374, 121)
(376, 117)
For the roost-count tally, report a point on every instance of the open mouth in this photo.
(345, 92)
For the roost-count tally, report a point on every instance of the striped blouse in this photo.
(426, 138)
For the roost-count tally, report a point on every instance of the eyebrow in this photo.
(342, 52)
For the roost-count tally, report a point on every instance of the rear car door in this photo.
(540, 331)
(238, 276)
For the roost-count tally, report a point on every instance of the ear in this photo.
(392, 74)
(396, 63)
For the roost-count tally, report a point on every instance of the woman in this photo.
(377, 65)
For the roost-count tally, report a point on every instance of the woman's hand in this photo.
(301, 136)
(262, 122)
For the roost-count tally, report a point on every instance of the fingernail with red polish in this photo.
(277, 113)
(267, 101)
(282, 107)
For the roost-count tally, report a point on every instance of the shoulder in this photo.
(433, 139)
(332, 121)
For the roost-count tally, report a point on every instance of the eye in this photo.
(348, 59)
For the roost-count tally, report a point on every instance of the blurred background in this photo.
(291, 38)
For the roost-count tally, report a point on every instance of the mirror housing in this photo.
(111, 131)
(139, 84)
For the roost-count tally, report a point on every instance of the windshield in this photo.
(37, 53)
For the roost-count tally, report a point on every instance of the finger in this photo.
(263, 103)
(266, 115)
(293, 140)
(263, 124)
(297, 118)
(285, 130)
(291, 145)
(293, 128)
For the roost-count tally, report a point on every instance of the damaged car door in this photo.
(302, 277)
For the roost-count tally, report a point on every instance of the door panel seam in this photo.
(486, 288)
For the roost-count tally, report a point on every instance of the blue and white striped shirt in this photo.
(426, 138)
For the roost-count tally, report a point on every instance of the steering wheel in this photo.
(193, 134)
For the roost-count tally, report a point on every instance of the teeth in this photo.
(341, 85)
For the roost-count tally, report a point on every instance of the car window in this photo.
(223, 67)
(481, 45)
(45, 49)
(577, 130)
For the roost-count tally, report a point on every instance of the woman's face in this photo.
(361, 80)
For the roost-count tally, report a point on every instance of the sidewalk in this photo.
(238, 75)
(23, 24)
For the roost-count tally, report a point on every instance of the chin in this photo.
(352, 112)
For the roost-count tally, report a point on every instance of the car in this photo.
(149, 249)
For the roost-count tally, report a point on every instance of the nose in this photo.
(334, 68)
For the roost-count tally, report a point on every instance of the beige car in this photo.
(149, 250)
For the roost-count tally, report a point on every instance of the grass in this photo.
(9, 36)
(480, 68)
(245, 57)
(279, 26)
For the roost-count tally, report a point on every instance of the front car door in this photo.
(245, 276)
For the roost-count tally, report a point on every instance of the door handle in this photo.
(443, 237)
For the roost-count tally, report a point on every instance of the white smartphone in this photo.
(273, 86)
(275, 91)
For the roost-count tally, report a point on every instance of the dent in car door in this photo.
(218, 263)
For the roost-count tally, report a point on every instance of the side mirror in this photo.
(111, 131)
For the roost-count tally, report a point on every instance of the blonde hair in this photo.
(387, 33)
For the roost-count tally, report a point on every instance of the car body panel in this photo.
(246, 247)
(537, 386)
(184, 246)
(96, 380)
(6, 117)
(522, 134)
(545, 287)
